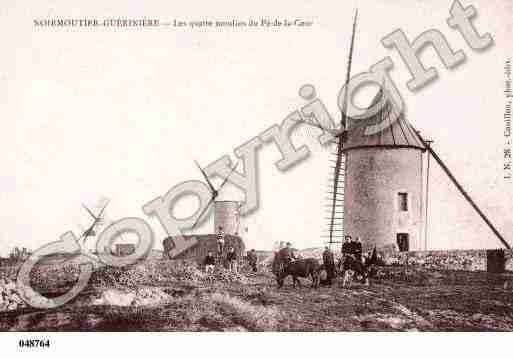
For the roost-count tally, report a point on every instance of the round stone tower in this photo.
(226, 215)
(383, 188)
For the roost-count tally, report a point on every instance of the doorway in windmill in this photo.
(402, 198)
(403, 242)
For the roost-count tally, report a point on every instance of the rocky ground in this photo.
(160, 295)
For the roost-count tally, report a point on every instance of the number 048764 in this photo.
(34, 343)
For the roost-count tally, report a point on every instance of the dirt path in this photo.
(387, 305)
(414, 302)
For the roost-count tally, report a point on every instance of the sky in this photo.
(123, 113)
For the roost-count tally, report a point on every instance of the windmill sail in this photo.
(336, 184)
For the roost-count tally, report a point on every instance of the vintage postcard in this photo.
(270, 166)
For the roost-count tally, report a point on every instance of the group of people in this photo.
(228, 253)
(231, 256)
(350, 248)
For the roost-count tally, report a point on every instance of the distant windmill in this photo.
(214, 193)
(97, 220)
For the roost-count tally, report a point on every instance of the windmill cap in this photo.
(398, 134)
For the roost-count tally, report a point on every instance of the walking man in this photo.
(210, 263)
(220, 240)
(346, 246)
(231, 257)
(252, 260)
(358, 249)
(286, 254)
(329, 264)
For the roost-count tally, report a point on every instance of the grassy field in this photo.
(166, 296)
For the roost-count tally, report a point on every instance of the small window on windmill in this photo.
(403, 242)
(403, 201)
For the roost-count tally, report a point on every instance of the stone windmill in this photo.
(376, 190)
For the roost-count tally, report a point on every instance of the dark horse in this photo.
(304, 268)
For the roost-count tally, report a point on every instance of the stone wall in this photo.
(470, 260)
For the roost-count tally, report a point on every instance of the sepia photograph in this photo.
(284, 167)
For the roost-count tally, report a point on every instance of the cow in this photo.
(304, 268)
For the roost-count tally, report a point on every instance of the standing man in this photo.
(358, 249)
(286, 254)
(346, 246)
(253, 259)
(231, 257)
(329, 264)
(220, 241)
(352, 247)
(210, 263)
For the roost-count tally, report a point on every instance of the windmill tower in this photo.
(227, 216)
(376, 192)
(384, 182)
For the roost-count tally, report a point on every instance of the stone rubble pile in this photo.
(224, 275)
(159, 272)
(162, 272)
(9, 297)
(187, 272)
(467, 261)
(54, 276)
(145, 296)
